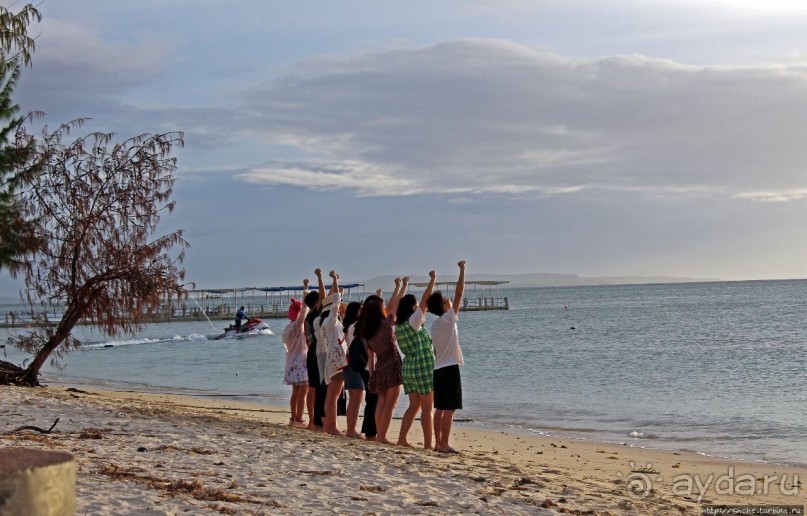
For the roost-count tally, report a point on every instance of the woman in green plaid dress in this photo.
(418, 363)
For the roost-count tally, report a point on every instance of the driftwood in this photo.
(8, 371)
(36, 428)
(12, 374)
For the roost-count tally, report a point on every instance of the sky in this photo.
(608, 138)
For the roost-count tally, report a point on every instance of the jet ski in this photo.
(253, 326)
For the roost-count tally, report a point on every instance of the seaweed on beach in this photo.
(194, 488)
(323, 473)
(91, 433)
(198, 490)
(197, 450)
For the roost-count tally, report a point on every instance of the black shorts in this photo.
(447, 388)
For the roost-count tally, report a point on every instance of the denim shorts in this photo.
(353, 379)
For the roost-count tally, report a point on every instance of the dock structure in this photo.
(204, 304)
(268, 302)
(262, 302)
(478, 295)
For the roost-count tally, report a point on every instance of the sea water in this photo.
(716, 368)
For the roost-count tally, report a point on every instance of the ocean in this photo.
(714, 368)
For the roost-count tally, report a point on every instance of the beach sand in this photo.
(152, 453)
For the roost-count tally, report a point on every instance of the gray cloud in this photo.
(77, 73)
(463, 117)
(492, 116)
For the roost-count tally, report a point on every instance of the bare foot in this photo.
(369, 438)
(336, 432)
(383, 441)
(404, 443)
(299, 424)
(354, 435)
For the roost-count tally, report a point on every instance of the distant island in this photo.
(542, 279)
(535, 279)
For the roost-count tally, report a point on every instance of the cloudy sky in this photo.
(617, 137)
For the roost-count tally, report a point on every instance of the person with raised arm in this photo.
(368, 427)
(326, 305)
(418, 363)
(448, 359)
(355, 374)
(332, 338)
(296, 371)
(376, 326)
(315, 400)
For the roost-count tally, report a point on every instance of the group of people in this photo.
(356, 347)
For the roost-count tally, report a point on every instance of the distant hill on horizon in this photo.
(535, 279)
(539, 279)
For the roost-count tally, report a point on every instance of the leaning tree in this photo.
(99, 204)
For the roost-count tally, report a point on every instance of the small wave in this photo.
(641, 435)
(539, 432)
(137, 342)
(580, 430)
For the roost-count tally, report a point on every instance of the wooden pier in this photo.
(478, 295)
(270, 303)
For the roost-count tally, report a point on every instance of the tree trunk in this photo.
(32, 372)
(30, 376)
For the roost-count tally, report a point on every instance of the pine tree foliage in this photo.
(17, 235)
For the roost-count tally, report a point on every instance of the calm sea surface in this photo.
(717, 368)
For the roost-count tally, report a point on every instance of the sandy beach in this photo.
(151, 453)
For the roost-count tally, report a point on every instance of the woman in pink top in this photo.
(296, 373)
